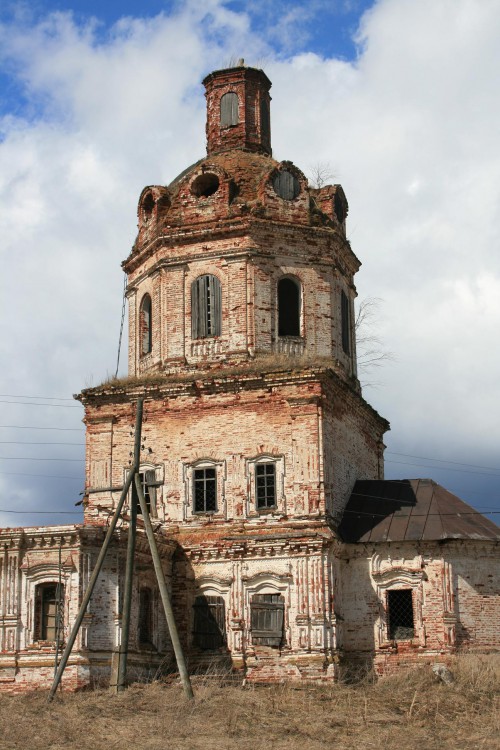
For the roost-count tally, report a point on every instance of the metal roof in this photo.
(410, 510)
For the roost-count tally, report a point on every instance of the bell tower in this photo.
(242, 346)
(238, 110)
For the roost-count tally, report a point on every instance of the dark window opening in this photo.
(209, 628)
(206, 302)
(345, 323)
(205, 490)
(148, 205)
(400, 623)
(145, 616)
(229, 109)
(267, 617)
(145, 327)
(339, 209)
(205, 185)
(265, 120)
(288, 308)
(49, 604)
(265, 482)
(286, 185)
(148, 482)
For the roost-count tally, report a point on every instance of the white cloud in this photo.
(410, 129)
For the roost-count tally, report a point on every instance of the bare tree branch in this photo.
(320, 174)
(370, 349)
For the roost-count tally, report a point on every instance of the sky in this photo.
(398, 99)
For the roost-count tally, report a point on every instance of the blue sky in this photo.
(398, 97)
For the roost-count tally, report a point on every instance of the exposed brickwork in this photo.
(220, 406)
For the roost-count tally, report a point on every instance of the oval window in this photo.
(205, 185)
(286, 185)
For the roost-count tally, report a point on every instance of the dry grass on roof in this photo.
(262, 364)
(411, 710)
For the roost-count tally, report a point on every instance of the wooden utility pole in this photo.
(133, 477)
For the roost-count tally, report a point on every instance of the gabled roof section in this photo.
(410, 510)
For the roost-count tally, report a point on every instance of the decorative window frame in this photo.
(212, 586)
(188, 470)
(265, 583)
(41, 574)
(250, 469)
(391, 580)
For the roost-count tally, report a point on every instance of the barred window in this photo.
(49, 602)
(206, 299)
(145, 326)
(267, 617)
(288, 307)
(265, 485)
(209, 627)
(400, 623)
(205, 490)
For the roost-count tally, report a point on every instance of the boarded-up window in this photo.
(145, 327)
(229, 109)
(209, 627)
(400, 624)
(49, 607)
(345, 323)
(267, 616)
(288, 308)
(265, 484)
(286, 185)
(205, 490)
(206, 300)
(145, 616)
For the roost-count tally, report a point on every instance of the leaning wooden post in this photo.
(165, 598)
(129, 567)
(93, 580)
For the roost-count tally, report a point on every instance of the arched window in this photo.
(145, 325)
(205, 307)
(288, 307)
(265, 124)
(229, 109)
(345, 322)
(49, 601)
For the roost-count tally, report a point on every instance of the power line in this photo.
(442, 461)
(46, 476)
(30, 427)
(35, 403)
(26, 458)
(442, 468)
(42, 512)
(23, 395)
(24, 442)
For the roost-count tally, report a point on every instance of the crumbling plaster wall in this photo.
(456, 597)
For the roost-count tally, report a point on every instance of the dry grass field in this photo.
(413, 711)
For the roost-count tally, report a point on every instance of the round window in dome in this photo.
(205, 185)
(286, 185)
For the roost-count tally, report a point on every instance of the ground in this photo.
(411, 710)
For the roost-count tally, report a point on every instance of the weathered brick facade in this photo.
(242, 345)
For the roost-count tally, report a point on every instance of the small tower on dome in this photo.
(238, 110)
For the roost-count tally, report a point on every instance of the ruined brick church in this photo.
(286, 552)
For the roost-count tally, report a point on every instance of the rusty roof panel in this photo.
(410, 510)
